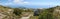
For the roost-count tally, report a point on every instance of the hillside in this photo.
(22, 12)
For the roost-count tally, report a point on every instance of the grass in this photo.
(34, 17)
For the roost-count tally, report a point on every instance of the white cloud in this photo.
(19, 2)
(26, 2)
(14, 2)
(44, 3)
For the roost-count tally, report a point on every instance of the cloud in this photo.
(19, 2)
(22, 2)
(14, 2)
(44, 3)
(26, 2)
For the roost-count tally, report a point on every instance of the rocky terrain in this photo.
(25, 13)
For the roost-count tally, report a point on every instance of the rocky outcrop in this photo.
(56, 12)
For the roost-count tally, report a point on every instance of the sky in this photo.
(30, 3)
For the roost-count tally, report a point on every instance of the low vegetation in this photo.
(44, 14)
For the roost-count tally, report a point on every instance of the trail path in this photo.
(26, 17)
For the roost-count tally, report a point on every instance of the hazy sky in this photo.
(31, 3)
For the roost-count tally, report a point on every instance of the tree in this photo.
(17, 11)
